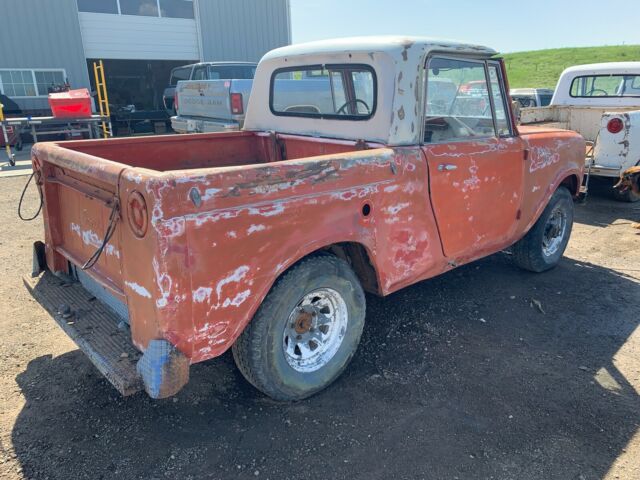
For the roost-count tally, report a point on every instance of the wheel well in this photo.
(571, 182)
(356, 255)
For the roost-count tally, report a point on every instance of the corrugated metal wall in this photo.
(42, 34)
(47, 34)
(133, 37)
(242, 30)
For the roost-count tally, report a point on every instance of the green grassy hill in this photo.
(541, 68)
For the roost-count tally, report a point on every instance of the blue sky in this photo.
(500, 24)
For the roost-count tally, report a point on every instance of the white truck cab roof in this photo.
(563, 92)
(398, 63)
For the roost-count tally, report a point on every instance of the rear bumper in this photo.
(195, 125)
(601, 170)
(106, 339)
(92, 326)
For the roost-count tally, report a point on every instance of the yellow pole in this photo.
(6, 137)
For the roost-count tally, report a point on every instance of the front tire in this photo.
(305, 332)
(543, 246)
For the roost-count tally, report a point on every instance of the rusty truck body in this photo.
(265, 239)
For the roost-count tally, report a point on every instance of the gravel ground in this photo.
(485, 372)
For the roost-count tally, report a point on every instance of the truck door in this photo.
(476, 162)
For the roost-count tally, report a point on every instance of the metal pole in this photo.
(106, 97)
(10, 156)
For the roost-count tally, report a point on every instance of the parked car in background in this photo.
(205, 71)
(209, 106)
(602, 103)
(264, 240)
(532, 97)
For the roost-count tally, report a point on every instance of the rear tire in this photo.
(305, 332)
(543, 246)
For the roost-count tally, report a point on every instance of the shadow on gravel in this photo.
(460, 376)
(602, 209)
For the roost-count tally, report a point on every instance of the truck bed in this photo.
(198, 151)
(584, 120)
(176, 181)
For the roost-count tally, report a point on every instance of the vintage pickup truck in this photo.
(265, 240)
(601, 102)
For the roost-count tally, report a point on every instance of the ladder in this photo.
(103, 98)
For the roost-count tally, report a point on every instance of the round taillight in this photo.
(615, 125)
(137, 214)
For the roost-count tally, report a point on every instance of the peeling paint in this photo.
(202, 294)
(139, 289)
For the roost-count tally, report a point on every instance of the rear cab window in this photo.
(228, 72)
(465, 100)
(200, 73)
(605, 86)
(342, 92)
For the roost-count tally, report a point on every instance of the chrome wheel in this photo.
(554, 232)
(315, 330)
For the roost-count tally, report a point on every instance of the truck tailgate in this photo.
(210, 98)
(81, 193)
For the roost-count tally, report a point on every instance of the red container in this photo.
(71, 104)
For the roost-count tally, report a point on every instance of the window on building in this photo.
(98, 6)
(176, 8)
(47, 79)
(145, 8)
(29, 83)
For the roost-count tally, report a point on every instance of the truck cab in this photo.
(364, 164)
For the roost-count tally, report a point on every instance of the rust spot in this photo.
(405, 52)
(401, 113)
(303, 323)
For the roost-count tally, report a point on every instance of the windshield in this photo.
(606, 86)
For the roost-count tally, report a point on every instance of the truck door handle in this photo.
(446, 167)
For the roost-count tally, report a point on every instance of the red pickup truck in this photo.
(359, 168)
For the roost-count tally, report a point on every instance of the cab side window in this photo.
(458, 106)
(499, 101)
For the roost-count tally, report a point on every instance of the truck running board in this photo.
(92, 326)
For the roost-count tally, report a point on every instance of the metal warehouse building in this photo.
(47, 42)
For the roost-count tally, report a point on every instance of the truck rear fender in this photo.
(618, 143)
(354, 253)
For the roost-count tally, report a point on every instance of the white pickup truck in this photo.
(208, 106)
(602, 103)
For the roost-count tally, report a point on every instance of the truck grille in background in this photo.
(102, 294)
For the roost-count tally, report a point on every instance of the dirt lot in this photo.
(464, 376)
